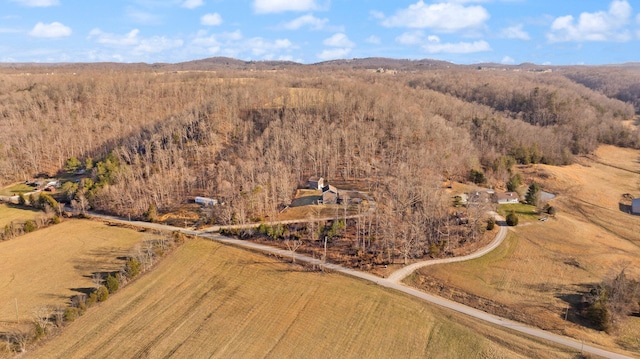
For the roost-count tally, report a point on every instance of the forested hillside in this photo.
(250, 138)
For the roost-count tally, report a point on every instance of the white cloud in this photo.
(233, 44)
(306, 20)
(128, 39)
(136, 45)
(597, 26)
(332, 54)
(275, 6)
(52, 30)
(38, 3)
(259, 46)
(373, 40)
(192, 4)
(434, 46)
(442, 17)
(156, 44)
(411, 38)
(213, 19)
(508, 60)
(338, 40)
(515, 32)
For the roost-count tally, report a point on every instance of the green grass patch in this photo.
(16, 189)
(10, 213)
(524, 211)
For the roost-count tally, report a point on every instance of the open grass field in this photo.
(543, 267)
(207, 300)
(10, 214)
(44, 267)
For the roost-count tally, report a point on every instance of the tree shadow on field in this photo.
(86, 290)
(102, 258)
(577, 305)
(305, 201)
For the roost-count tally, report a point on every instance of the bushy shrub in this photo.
(29, 226)
(71, 314)
(102, 294)
(112, 284)
(512, 219)
(132, 268)
(491, 223)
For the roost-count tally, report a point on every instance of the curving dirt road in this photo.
(403, 272)
(393, 282)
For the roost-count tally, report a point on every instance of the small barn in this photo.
(315, 182)
(507, 197)
(329, 195)
(635, 206)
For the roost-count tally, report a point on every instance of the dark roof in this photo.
(329, 188)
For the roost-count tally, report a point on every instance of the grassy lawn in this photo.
(44, 267)
(212, 301)
(10, 214)
(16, 189)
(524, 211)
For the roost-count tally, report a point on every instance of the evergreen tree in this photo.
(533, 194)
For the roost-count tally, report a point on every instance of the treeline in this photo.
(152, 141)
(581, 118)
(49, 320)
(620, 82)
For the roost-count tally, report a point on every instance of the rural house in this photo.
(315, 182)
(329, 195)
(507, 197)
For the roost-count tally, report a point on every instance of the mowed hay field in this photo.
(207, 300)
(44, 267)
(543, 268)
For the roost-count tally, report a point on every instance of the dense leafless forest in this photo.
(160, 134)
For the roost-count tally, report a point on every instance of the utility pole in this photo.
(325, 249)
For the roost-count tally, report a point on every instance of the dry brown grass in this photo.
(214, 301)
(44, 267)
(542, 263)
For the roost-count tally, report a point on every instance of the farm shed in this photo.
(329, 195)
(635, 206)
(315, 182)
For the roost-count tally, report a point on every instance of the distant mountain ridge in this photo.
(220, 63)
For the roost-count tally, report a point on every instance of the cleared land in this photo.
(10, 214)
(214, 301)
(48, 266)
(539, 274)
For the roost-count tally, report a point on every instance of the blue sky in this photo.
(461, 31)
